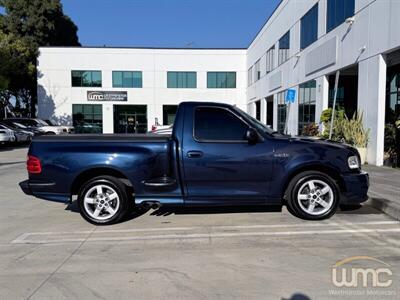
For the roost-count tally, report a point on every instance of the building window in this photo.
(258, 110)
(221, 80)
(87, 118)
(307, 100)
(284, 46)
(169, 113)
(282, 112)
(250, 77)
(127, 79)
(217, 124)
(309, 27)
(257, 71)
(270, 59)
(181, 80)
(86, 78)
(338, 11)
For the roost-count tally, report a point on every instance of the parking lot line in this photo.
(214, 232)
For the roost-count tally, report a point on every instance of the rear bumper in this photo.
(41, 190)
(355, 188)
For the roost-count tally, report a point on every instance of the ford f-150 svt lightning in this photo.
(216, 155)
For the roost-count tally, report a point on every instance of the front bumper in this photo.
(355, 188)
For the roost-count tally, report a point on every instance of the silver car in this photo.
(6, 135)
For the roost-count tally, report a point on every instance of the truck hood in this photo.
(319, 141)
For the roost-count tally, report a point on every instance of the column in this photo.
(371, 101)
(322, 97)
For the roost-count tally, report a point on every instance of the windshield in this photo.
(19, 125)
(28, 122)
(49, 122)
(43, 123)
(259, 126)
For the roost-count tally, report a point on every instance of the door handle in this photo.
(194, 154)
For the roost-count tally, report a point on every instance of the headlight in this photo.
(353, 162)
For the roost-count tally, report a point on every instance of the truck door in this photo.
(219, 163)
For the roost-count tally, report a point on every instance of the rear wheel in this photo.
(103, 200)
(312, 195)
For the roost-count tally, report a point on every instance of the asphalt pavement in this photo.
(47, 251)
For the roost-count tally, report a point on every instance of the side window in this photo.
(216, 124)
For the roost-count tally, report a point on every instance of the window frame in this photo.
(216, 73)
(334, 24)
(196, 139)
(186, 75)
(91, 80)
(307, 14)
(270, 60)
(133, 79)
(286, 50)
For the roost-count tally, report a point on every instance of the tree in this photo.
(26, 26)
(15, 67)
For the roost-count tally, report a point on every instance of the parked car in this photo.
(216, 155)
(40, 125)
(163, 130)
(21, 136)
(6, 135)
(70, 129)
(16, 125)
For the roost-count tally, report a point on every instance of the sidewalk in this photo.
(384, 192)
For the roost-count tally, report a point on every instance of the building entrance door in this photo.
(270, 111)
(130, 118)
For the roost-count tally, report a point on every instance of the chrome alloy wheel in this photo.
(315, 197)
(101, 202)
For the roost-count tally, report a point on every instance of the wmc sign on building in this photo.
(300, 47)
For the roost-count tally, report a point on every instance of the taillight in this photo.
(33, 165)
(153, 127)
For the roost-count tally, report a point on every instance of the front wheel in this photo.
(103, 200)
(312, 195)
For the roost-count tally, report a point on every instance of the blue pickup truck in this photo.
(216, 155)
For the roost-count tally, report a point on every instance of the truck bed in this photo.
(147, 137)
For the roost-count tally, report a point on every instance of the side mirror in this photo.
(252, 136)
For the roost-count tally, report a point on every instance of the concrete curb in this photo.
(388, 207)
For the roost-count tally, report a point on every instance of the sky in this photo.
(169, 23)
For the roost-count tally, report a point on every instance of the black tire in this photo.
(293, 203)
(113, 183)
(50, 133)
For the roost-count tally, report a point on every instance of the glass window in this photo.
(284, 46)
(127, 79)
(250, 77)
(221, 80)
(257, 70)
(86, 78)
(182, 80)
(338, 11)
(309, 27)
(258, 110)
(282, 112)
(87, 118)
(212, 123)
(307, 100)
(270, 59)
(169, 113)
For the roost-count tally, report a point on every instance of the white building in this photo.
(300, 47)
